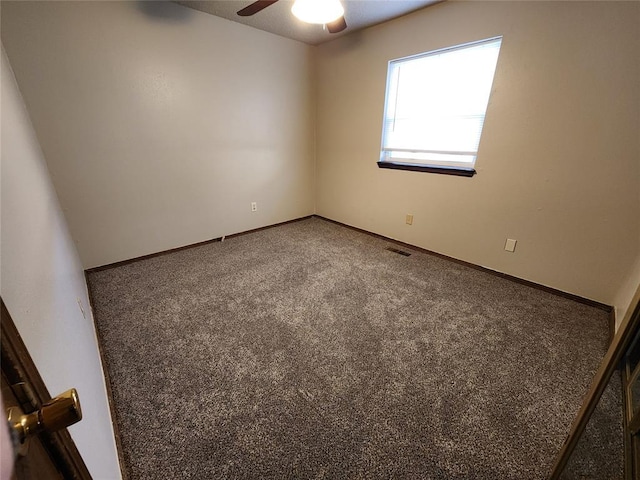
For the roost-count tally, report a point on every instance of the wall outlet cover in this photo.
(510, 246)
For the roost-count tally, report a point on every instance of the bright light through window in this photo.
(436, 103)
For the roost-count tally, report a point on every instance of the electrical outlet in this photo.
(254, 206)
(510, 246)
(409, 219)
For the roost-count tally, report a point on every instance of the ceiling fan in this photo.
(325, 12)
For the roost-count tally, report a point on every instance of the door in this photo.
(631, 384)
(48, 452)
(624, 355)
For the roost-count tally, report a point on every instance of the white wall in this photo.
(559, 161)
(624, 298)
(161, 124)
(42, 280)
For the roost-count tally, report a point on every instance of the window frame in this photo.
(453, 169)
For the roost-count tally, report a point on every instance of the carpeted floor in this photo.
(599, 453)
(310, 351)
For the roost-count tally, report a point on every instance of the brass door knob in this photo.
(59, 412)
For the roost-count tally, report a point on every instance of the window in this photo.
(435, 107)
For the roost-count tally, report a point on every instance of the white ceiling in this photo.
(278, 18)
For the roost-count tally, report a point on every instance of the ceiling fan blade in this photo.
(337, 25)
(255, 7)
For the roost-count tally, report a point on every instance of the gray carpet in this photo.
(309, 351)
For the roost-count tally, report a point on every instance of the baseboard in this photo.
(586, 301)
(185, 247)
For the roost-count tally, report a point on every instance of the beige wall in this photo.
(559, 161)
(42, 282)
(624, 299)
(161, 124)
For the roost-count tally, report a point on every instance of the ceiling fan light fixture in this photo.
(317, 11)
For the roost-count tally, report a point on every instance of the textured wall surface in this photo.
(558, 165)
(42, 281)
(161, 124)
